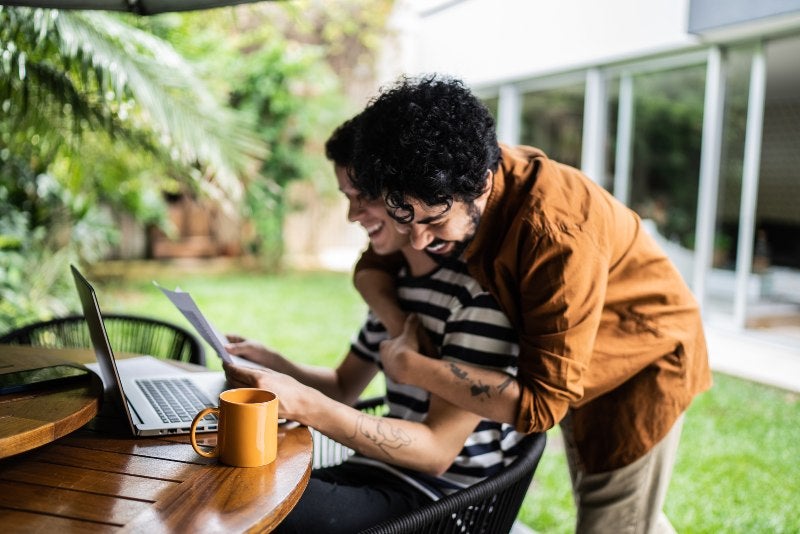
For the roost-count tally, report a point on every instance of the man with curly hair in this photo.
(611, 339)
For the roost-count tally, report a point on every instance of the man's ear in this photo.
(487, 188)
(480, 202)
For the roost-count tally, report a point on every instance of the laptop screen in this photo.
(102, 346)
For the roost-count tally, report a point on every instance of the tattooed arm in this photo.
(490, 393)
(429, 446)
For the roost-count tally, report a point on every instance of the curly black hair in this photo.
(428, 139)
(339, 146)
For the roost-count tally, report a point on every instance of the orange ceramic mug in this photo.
(247, 435)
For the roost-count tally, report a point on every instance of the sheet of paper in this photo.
(184, 302)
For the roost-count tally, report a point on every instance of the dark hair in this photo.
(428, 139)
(339, 146)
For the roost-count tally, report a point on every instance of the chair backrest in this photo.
(488, 507)
(127, 333)
(328, 452)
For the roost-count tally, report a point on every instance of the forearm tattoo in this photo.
(476, 387)
(507, 382)
(382, 433)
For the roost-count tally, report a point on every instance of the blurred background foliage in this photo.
(105, 114)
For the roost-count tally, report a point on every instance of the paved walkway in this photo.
(758, 356)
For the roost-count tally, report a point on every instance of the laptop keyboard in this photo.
(175, 400)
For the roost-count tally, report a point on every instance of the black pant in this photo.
(347, 498)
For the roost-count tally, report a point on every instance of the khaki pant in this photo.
(626, 500)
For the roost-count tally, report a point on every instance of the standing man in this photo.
(611, 339)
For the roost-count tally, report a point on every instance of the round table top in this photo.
(95, 478)
(29, 419)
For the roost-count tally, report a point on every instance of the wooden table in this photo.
(34, 418)
(95, 480)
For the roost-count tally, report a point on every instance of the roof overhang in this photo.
(140, 7)
(721, 20)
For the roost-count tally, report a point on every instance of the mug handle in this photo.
(214, 452)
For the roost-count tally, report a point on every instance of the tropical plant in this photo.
(289, 96)
(94, 109)
(300, 59)
(101, 110)
(286, 66)
(67, 73)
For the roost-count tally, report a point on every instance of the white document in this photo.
(184, 302)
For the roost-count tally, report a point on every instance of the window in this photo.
(667, 133)
(553, 121)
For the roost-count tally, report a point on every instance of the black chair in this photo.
(127, 333)
(488, 507)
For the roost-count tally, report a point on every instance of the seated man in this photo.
(425, 447)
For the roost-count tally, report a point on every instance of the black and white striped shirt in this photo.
(466, 323)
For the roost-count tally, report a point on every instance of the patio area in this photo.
(768, 355)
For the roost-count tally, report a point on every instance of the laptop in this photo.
(155, 402)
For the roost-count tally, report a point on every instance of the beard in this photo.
(474, 215)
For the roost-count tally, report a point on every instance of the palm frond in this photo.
(169, 96)
(91, 67)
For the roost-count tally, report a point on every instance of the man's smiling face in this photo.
(372, 216)
(442, 231)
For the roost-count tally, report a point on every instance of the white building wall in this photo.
(485, 41)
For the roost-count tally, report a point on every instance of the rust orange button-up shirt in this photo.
(607, 327)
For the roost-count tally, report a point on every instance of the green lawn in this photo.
(737, 468)
(309, 317)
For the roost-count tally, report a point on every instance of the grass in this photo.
(306, 316)
(737, 468)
